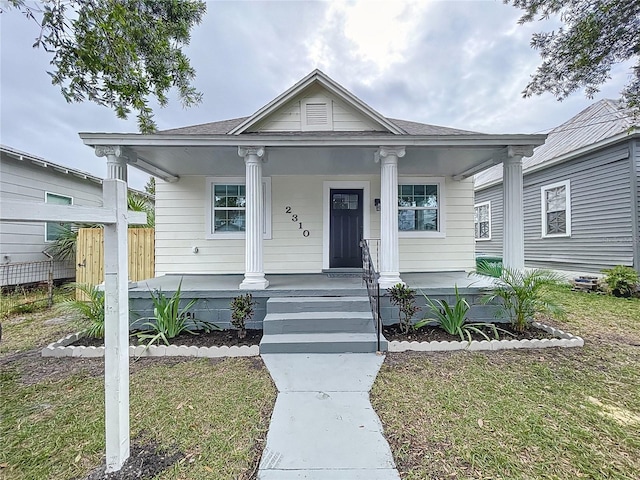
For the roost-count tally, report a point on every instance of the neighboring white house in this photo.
(30, 178)
(294, 187)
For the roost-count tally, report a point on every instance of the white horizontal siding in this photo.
(180, 226)
(456, 250)
(288, 118)
(288, 251)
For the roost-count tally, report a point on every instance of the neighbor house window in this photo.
(556, 210)
(420, 207)
(482, 220)
(53, 230)
(227, 204)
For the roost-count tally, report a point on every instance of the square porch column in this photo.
(512, 181)
(116, 311)
(389, 247)
(254, 278)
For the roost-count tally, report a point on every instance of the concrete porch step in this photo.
(314, 304)
(321, 343)
(318, 322)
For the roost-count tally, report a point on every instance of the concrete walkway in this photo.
(323, 426)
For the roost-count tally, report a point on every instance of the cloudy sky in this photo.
(452, 63)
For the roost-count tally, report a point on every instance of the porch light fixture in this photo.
(376, 203)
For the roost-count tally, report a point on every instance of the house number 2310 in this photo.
(294, 218)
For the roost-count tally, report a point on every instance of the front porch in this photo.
(215, 292)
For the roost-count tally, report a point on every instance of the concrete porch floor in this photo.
(317, 284)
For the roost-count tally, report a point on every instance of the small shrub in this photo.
(169, 320)
(241, 311)
(404, 297)
(621, 280)
(90, 311)
(522, 295)
(453, 319)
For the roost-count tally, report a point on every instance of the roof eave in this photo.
(633, 134)
(275, 140)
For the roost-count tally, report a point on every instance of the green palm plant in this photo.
(170, 320)
(522, 295)
(64, 247)
(138, 203)
(91, 311)
(453, 318)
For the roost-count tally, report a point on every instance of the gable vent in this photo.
(317, 115)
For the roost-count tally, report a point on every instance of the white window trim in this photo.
(46, 197)
(567, 185)
(266, 187)
(442, 221)
(482, 204)
(303, 114)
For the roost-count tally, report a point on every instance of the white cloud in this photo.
(377, 34)
(458, 64)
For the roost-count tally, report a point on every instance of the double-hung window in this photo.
(227, 206)
(556, 210)
(420, 207)
(53, 230)
(482, 220)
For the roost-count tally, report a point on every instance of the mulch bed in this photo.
(431, 334)
(202, 339)
(146, 461)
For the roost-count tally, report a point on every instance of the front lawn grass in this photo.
(26, 331)
(536, 414)
(215, 412)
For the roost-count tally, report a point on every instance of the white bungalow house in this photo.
(293, 189)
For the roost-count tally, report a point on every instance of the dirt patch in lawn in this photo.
(437, 334)
(201, 339)
(145, 462)
(34, 368)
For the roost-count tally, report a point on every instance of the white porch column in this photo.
(513, 237)
(254, 278)
(116, 162)
(389, 248)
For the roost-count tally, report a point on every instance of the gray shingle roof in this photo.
(223, 127)
(212, 128)
(415, 128)
(604, 119)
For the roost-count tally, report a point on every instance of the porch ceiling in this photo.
(437, 156)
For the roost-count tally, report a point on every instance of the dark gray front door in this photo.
(345, 228)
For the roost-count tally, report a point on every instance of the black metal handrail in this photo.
(370, 277)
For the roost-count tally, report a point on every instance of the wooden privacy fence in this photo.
(90, 256)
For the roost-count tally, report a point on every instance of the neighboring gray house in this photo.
(581, 195)
(26, 177)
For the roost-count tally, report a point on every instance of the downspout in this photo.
(635, 211)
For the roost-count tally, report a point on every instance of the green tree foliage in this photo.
(595, 36)
(118, 53)
(150, 186)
